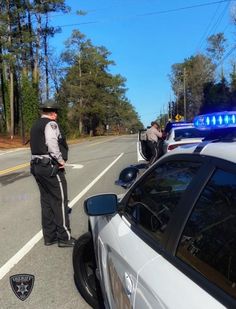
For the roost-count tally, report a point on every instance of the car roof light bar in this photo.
(181, 124)
(215, 120)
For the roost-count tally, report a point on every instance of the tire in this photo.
(84, 264)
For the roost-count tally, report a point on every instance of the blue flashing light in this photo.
(233, 119)
(220, 120)
(215, 120)
(226, 119)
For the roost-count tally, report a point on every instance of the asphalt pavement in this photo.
(92, 168)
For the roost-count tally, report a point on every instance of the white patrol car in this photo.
(182, 134)
(170, 241)
(177, 134)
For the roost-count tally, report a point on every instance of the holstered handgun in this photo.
(55, 169)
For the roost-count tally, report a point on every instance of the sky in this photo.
(145, 38)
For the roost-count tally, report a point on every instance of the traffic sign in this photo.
(178, 117)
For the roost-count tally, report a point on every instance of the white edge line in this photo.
(82, 193)
(36, 238)
(20, 254)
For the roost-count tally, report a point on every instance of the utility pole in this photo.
(179, 83)
(170, 108)
(185, 107)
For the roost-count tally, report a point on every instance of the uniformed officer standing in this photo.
(49, 152)
(153, 136)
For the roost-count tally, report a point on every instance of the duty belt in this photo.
(42, 161)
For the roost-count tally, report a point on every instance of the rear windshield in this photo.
(190, 133)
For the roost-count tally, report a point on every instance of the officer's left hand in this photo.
(62, 164)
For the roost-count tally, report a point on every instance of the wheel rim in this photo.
(88, 271)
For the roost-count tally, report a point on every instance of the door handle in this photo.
(129, 286)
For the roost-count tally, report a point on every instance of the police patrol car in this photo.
(181, 134)
(170, 241)
(177, 134)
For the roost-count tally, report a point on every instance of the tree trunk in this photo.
(46, 58)
(11, 102)
(11, 84)
(32, 61)
(3, 88)
(36, 59)
(80, 99)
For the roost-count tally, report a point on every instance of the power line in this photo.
(82, 23)
(220, 18)
(208, 27)
(184, 8)
(150, 13)
(226, 56)
(217, 22)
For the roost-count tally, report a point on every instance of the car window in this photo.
(190, 133)
(208, 243)
(152, 202)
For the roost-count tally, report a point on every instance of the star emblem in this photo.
(22, 285)
(22, 288)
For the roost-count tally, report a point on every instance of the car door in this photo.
(170, 288)
(206, 247)
(143, 151)
(148, 207)
(121, 254)
(202, 271)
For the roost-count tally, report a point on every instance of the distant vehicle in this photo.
(177, 134)
(181, 135)
(170, 241)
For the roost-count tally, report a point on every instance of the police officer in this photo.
(154, 134)
(49, 152)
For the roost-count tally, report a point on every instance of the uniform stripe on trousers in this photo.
(63, 206)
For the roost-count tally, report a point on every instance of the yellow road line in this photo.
(17, 167)
(12, 169)
(101, 142)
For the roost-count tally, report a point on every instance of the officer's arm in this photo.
(52, 133)
(158, 133)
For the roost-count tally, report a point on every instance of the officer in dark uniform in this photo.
(154, 136)
(49, 152)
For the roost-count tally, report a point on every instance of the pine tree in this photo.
(96, 97)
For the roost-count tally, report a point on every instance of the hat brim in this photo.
(49, 108)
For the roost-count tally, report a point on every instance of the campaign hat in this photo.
(49, 106)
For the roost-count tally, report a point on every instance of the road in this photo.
(92, 168)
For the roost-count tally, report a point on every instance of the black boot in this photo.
(66, 243)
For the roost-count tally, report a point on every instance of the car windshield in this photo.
(190, 133)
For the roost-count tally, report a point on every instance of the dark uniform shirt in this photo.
(46, 139)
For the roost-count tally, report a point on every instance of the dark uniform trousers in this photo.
(54, 202)
(154, 151)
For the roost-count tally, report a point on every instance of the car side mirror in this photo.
(102, 204)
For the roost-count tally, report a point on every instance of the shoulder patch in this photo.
(53, 125)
